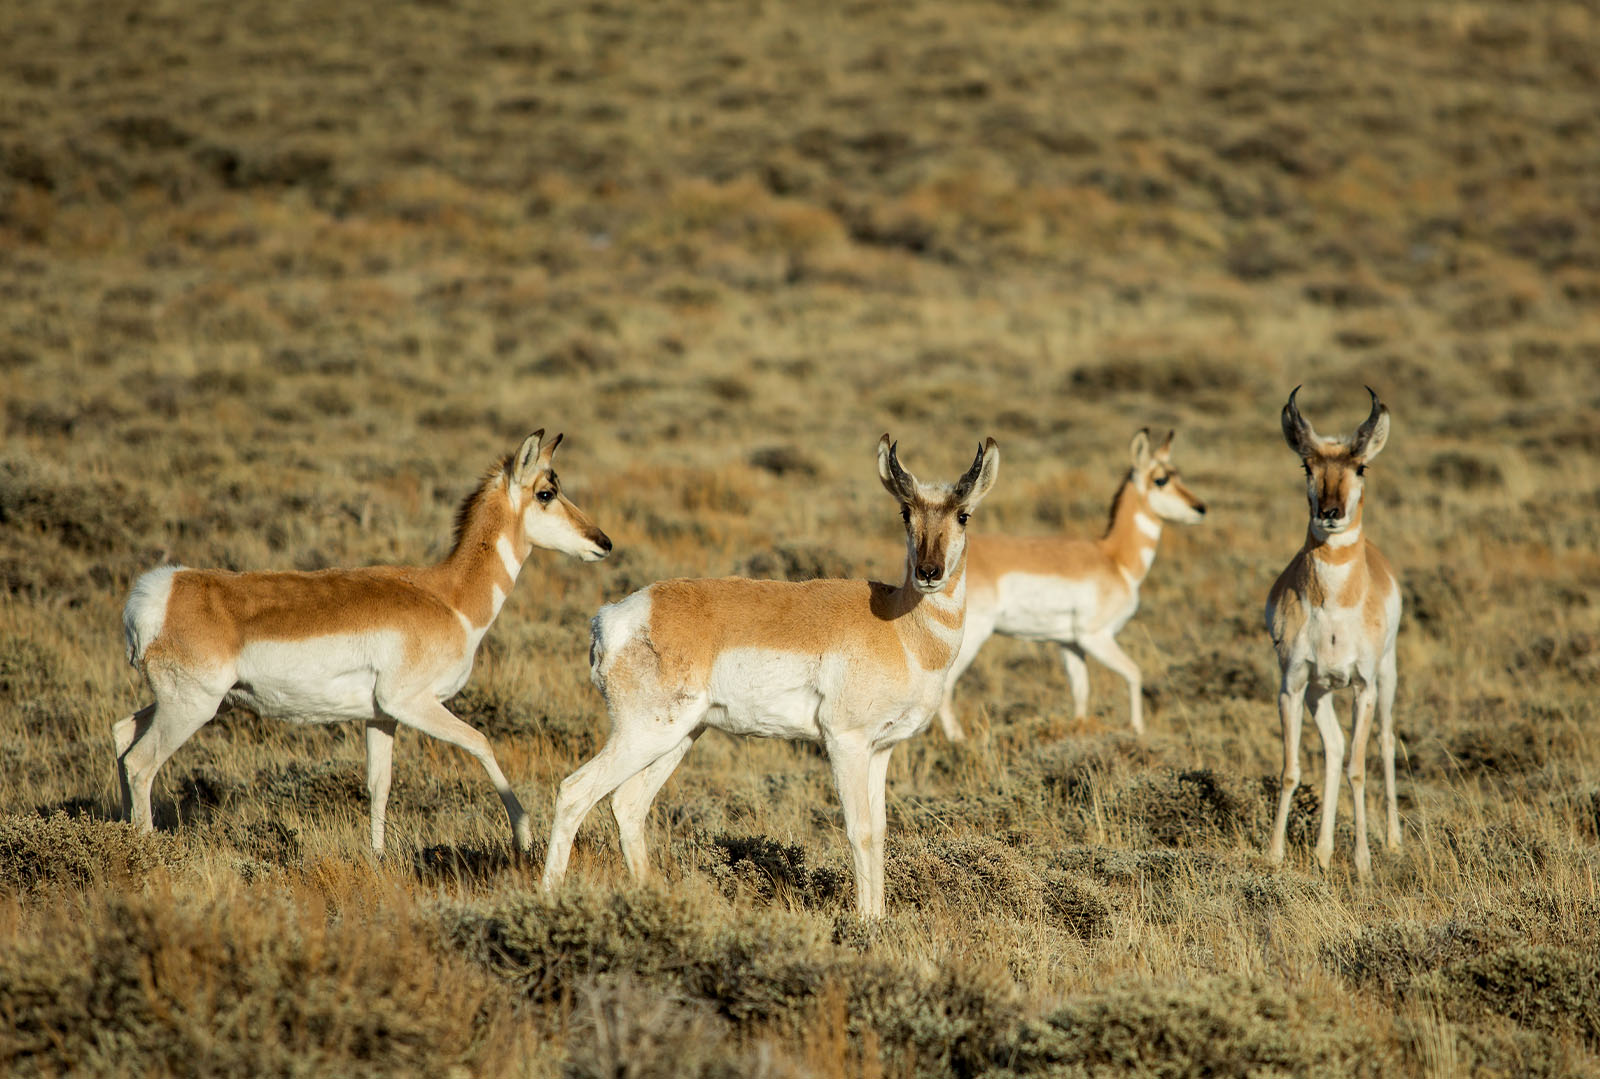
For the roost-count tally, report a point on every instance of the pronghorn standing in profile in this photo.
(382, 644)
(1078, 593)
(1333, 615)
(858, 666)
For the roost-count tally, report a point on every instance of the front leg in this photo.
(1320, 701)
(1077, 677)
(852, 761)
(1291, 713)
(1104, 647)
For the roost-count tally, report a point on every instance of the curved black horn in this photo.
(1370, 424)
(964, 484)
(902, 479)
(1295, 428)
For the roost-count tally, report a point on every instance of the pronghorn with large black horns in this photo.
(381, 644)
(855, 665)
(1333, 615)
(1078, 593)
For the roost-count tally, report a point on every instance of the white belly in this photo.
(319, 680)
(765, 693)
(1039, 607)
(1335, 641)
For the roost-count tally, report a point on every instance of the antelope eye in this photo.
(905, 514)
(1306, 467)
(1162, 481)
(1361, 470)
(962, 518)
(545, 495)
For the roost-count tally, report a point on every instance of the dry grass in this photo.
(278, 280)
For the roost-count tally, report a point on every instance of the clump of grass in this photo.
(762, 868)
(1224, 1025)
(60, 851)
(162, 984)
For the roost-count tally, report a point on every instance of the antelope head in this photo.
(1335, 467)
(1159, 482)
(936, 515)
(545, 516)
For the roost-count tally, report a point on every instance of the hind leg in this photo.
(148, 738)
(1105, 648)
(638, 740)
(631, 801)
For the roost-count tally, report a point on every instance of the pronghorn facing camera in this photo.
(855, 665)
(1333, 615)
(382, 644)
(1078, 593)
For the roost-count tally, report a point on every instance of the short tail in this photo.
(146, 611)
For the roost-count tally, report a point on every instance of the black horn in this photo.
(902, 479)
(1370, 425)
(1296, 431)
(964, 484)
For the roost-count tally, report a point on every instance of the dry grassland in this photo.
(278, 279)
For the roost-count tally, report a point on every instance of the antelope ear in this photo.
(896, 480)
(973, 486)
(1369, 438)
(1163, 452)
(524, 463)
(547, 451)
(1139, 448)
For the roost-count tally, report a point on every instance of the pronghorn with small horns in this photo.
(382, 644)
(1078, 593)
(1333, 615)
(855, 665)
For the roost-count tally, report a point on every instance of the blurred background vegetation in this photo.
(278, 280)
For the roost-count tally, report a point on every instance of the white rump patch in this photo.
(146, 610)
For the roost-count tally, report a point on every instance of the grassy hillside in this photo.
(278, 280)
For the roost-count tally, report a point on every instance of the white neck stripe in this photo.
(508, 556)
(1147, 524)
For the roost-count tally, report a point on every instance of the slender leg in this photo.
(153, 736)
(637, 741)
(877, 783)
(630, 804)
(1291, 712)
(124, 732)
(977, 631)
(1077, 677)
(1106, 650)
(1361, 728)
(852, 775)
(427, 715)
(380, 768)
(1320, 703)
(1386, 686)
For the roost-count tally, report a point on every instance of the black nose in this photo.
(1201, 509)
(604, 541)
(928, 571)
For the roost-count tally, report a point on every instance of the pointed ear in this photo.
(973, 486)
(524, 463)
(1139, 448)
(896, 480)
(1163, 452)
(1369, 438)
(547, 451)
(1296, 431)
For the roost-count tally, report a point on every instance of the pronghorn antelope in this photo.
(1333, 615)
(856, 665)
(1078, 593)
(383, 644)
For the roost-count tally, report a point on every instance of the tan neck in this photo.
(478, 574)
(1133, 533)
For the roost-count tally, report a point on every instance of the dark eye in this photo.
(545, 495)
(1361, 470)
(905, 514)
(963, 518)
(1162, 481)
(1307, 468)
